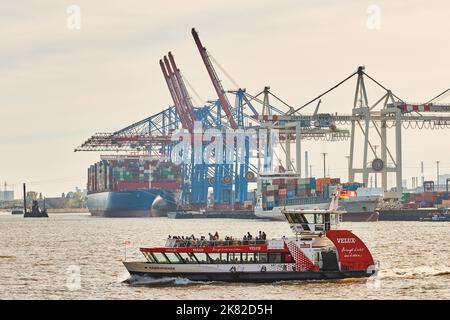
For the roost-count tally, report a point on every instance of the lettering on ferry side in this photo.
(346, 240)
(193, 310)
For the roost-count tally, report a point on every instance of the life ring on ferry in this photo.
(263, 269)
(211, 181)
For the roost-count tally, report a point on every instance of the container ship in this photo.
(289, 191)
(418, 205)
(129, 186)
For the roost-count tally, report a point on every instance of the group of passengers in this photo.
(248, 237)
(228, 240)
(187, 238)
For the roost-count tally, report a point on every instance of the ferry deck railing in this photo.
(174, 243)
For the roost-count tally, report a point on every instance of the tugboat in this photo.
(317, 251)
(36, 212)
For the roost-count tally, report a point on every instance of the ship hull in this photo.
(355, 211)
(126, 203)
(138, 269)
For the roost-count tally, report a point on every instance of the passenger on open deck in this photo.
(192, 241)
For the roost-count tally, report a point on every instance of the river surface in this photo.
(76, 256)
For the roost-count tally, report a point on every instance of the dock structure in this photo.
(224, 148)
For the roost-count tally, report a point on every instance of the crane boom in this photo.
(183, 90)
(215, 80)
(173, 93)
(183, 108)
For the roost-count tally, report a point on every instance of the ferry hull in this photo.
(138, 269)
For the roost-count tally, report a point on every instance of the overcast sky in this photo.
(59, 85)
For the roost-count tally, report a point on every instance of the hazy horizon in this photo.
(59, 86)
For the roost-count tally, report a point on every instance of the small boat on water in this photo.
(36, 212)
(319, 250)
(438, 217)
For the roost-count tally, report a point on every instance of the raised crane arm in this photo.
(183, 90)
(215, 80)
(183, 107)
(170, 85)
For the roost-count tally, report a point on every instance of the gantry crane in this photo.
(215, 80)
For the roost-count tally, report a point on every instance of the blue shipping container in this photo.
(312, 183)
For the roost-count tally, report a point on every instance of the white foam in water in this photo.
(140, 280)
(421, 271)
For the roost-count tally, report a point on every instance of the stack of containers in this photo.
(264, 185)
(303, 187)
(270, 195)
(335, 181)
(321, 183)
(167, 175)
(291, 185)
(95, 177)
(91, 179)
(312, 185)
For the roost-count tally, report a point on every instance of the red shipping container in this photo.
(167, 185)
(127, 185)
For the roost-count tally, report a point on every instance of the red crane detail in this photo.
(183, 90)
(215, 80)
(183, 107)
(173, 93)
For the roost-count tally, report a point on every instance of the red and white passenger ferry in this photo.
(317, 251)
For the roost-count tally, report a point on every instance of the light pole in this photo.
(437, 175)
(348, 168)
(324, 164)
(375, 151)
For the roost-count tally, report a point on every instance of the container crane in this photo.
(176, 94)
(173, 94)
(215, 80)
(184, 93)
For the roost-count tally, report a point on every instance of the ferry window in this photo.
(290, 218)
(234, 257)
(172, 257)
(275, 257)
(333, 218)
(309, 218)
(201, 257)
(248, 257)
(318, 218)
(186, 257)
(149, 257)
(217, 257)
(261, 257)
(160, 258)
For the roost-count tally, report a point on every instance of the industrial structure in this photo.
(162, 135)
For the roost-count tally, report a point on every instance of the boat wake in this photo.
(148, 281)
(417, 272)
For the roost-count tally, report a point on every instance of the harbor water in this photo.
(76, 256)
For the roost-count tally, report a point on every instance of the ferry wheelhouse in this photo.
(318, 250)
